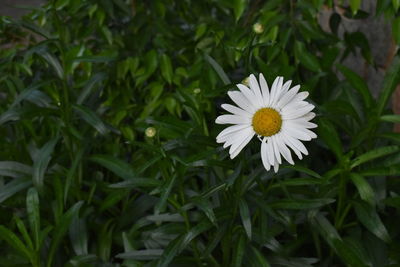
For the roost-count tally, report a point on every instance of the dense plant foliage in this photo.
(107, 138)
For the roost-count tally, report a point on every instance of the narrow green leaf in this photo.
(391, 80)
(330, 136)
(396, 27)
(61, 229)
(357, 83)
(137, 182)
(32, 207)
(14, 241)
(41, 161)
(381, 171)
(240, 249)
(147, 254)
(83, 260)
(117, 166)
(374, 154)
(218, 69)
(238, 8)
(22, 229)
(11, 188)
(370, 219)
(14, 169)
(96, 79)
(72, 172)
(91, 118)
(245, 215)
(300, 204)
(53, 61)
(78, 236)
(258, 258)
(166, 68)
(165, 192)
(348, 254)
(9, 115)
(175, 247)
(355, 6)
(391, 118)
(306, 59)
(364, 188)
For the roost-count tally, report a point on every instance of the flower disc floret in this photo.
(267, 122)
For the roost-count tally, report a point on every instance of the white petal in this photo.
(236, 110)
(275, 94)
(301, 96)
(289, 143)
(288, 97)
(264, 155)
(303, 123)
(229, 131)
(237, 147)
(273, 90)
(293, 114)
(276, 149)
(256, 90)
(286, 86)
(295, 144)
(240, 100)
(232, 119)
(264, 89)
(283, 149)
(295, 132)
(309, 116)
(237, 137)
(276, 167)
(249, 95)
(270, 152)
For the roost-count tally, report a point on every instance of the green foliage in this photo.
(85, 181)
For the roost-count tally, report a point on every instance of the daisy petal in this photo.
(235, 110)
(264, 89)
(229, 131)
(256, 90)
(237, 147)
(283, 149)
(276, 150)
(264, 155)
(249, 95)
(293, 114)
(288, 96)
(270, 152)
(232, 119)
(276, 87)
(240, 100)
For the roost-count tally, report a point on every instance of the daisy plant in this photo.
(280, 118)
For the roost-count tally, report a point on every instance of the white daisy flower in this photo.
(280, 118)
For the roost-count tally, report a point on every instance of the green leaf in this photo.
(118, 167)
(258, 259)
(245, 216)
(14, 241)
(373, 154)
(32, 207)
(53, 61)
(300, 204)
(218, 69)
(166, 68)
(78, 236)
(147, 254)
(391, 80)
(61, 229)
(364, 188)
(396, 28)
(176, 246)
(96, 79)
(355, 6)
(238, 8)
(239, 251)
(306, 59)
(13, 187)
(165, 192)
(357, 83)
(382, 171)
(330, 136)
(41, 161)
(391, 118)
(14, 169)
(91, 118)
(370, 219)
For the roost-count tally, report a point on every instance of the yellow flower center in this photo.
(267, 122)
